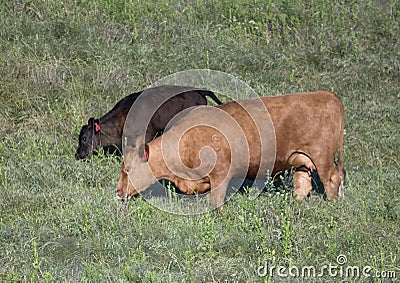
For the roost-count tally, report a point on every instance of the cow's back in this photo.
(309, 123)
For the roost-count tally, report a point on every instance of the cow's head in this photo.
(136, 175)
(124, 189)
(89, 139)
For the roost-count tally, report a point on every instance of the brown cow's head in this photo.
(89, 139)
(136, 175)
(124, 189)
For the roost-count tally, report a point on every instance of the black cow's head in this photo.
(89, 139)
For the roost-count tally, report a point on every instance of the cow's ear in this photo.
(97, 127)
(90, 122)
(139, 141)
(144, 152)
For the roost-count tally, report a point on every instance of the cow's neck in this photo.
(157, 163)
(110, 132)
(112, 123)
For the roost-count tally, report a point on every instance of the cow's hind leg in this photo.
(342, 174)
(302, 177)
(332, 181)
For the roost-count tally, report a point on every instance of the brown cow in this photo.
(308, 132)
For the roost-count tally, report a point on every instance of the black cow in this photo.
(107, 131)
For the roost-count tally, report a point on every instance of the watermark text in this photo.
(340, 269)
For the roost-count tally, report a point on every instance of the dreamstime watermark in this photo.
(340, 269)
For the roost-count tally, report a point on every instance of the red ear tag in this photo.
(146, 155)
(97, 127)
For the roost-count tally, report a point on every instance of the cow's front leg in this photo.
(218, 193)
(302, 184)
(302, 177)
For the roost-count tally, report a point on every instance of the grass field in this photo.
(63, 62)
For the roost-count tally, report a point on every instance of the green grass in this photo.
(61, 63)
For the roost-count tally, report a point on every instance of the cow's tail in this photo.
(211, 94)
(340, 167)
